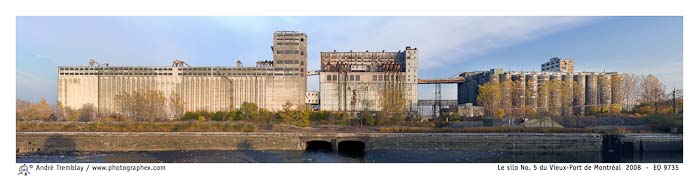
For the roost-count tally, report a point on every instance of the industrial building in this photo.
(556, 64)
(313, 100)
(368, 81)
(586, 90)
(269, 84)
(349, 82)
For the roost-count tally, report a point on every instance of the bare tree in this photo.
(59, 111)
(630, 88)
(87, 112)
(653, 91)
(142, 104)
(176, 104)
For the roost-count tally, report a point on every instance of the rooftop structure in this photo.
(556, 64)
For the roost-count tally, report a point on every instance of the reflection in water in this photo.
(370, 156)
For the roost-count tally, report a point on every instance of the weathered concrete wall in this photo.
(492, 142)
(651, 142)
(49, 142)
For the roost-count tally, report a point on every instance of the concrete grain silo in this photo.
(532, 93)
(591, 100)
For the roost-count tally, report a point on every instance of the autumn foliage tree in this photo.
(28, 111)
(489, 96)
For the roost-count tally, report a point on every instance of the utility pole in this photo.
(674, 105)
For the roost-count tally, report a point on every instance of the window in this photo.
(328, 78)
(288, 52)
(357, 78)
(351, 77)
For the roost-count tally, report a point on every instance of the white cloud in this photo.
(441, 40)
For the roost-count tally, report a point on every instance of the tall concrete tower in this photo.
(290, 57)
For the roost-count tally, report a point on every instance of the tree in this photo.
(543, 98)
(176, 104)
(367, 118)
(393, 102)
(518, 98)
(555, 88)
(303, 116)
(630, 89)
(287, 113)
(60, 111)
(28, 111)
(566, 92)
(266, 117)
(143, 105)
(250, 111)
(24, 110)
(506, 98)
(653, 90)
(72, 115)
(489, 97)
(87, 112)
(43, 110)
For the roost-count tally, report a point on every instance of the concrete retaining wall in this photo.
(51, 142)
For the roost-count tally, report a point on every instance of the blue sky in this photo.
(447, 45)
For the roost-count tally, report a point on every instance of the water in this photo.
(371, 156)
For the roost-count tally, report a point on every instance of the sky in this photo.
(446, 45)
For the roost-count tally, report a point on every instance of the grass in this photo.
(195, 126)
(135, 127)
(484, 130)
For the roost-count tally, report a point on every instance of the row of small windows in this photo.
(301, 39)
(115, 68)
(289, 52)
(552, 67)
(287, 43)
(163, 74)
(386, 77)
(289, 62)
(374, 77)
(118, 74)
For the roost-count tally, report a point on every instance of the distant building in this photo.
(556, 64)
(358, 81)
(313, 100)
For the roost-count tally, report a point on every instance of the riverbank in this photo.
(57, 142)
(194, 126)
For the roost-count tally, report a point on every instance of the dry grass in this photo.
(135, 127)
(483, 130)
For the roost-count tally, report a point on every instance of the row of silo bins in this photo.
(527, 93)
